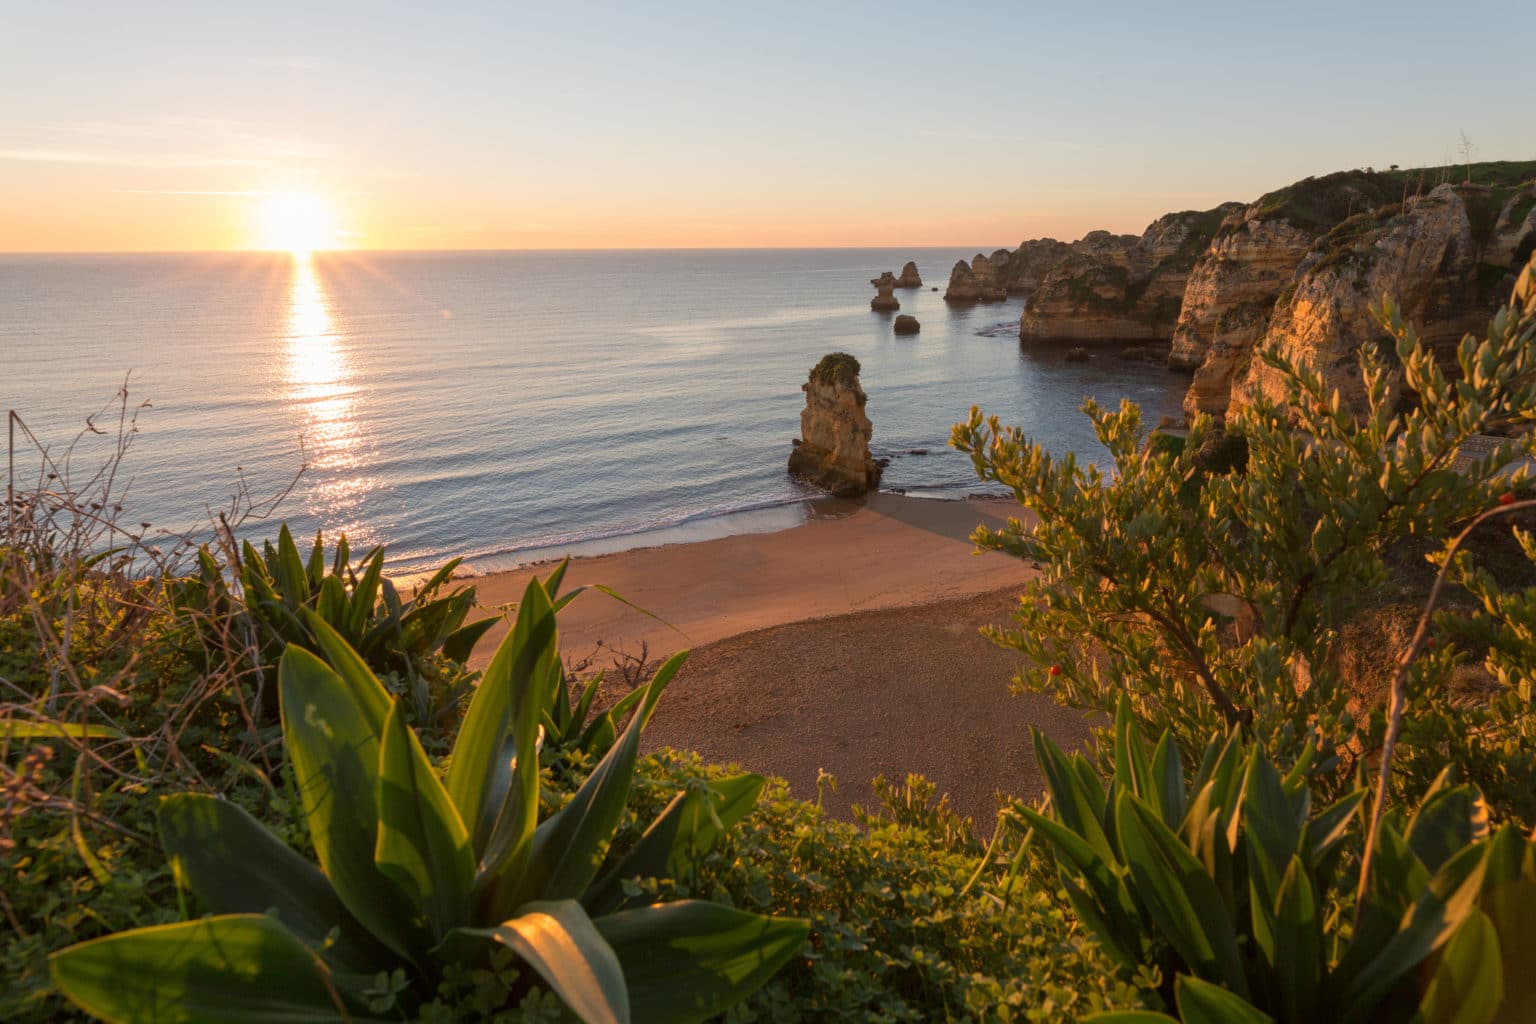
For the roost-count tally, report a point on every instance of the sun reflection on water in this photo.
(322, 385)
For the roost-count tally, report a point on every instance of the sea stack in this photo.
(884, 302)
(906, 324)
(909, 277)
(833, 450)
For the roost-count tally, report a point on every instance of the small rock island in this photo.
(884, 301)
(833, 449)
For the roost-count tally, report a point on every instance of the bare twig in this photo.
(1399, 690)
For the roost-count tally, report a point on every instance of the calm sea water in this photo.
(501, 404)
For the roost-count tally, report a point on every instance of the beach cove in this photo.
(848, 644)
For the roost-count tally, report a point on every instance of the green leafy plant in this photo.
(418, 645)
(1233, 885)
(1216, 598)
(419, 876)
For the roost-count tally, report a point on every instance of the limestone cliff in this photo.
(1025, 268)
(1118, 288)
(1446, 258)
(976, 281)
(833, 450)
(1256, 266)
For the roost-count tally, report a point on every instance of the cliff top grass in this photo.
(1319, 203)
(836, 368)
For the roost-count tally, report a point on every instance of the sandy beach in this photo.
(848, 644)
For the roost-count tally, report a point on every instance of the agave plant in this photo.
(417, 874)
(394, 637)
(1231, 884)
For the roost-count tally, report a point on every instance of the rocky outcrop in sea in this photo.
(976, 281)
(884, 301)
(833, 449)
(909, 278)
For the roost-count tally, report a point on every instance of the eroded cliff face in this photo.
(1227, 303)
(1300, 243)
(1444, 274)
(833, 450)
(976, 281)
(1025, 268)
(1120, 288)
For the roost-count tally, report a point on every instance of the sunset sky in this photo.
(453, 126)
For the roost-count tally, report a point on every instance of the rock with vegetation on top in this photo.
(906, 324)
(884, 301)
(1294, 244)
(909, 278)
(1120, 288)
(833, 450)
(1426, 253)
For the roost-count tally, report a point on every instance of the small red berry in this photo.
(1429, 642)
(1055, 670)
(1506, 498)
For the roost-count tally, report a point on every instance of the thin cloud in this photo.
(109, 158)
(162, 142)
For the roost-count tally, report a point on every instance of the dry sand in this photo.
(847, 644)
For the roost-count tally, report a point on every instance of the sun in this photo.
(297, 222)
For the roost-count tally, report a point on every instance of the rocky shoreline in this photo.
(1298, 271)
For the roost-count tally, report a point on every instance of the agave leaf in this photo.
(1321, 836)
(289, 571)
(1509, 901)
(1133, 770)
(238, 969)
(693, 960)
(460, 644)
(1297, 950)
(331, 607)
(689, 826)
(1114, 904)
(555, 578)
(1272, 831)
(1468, 984)
(1180, 897)
(316, 567)
(365, 594)
(1168, 777)
(236, 866)
(1445, 903)
(331, 728)
(1447, 821)
(568, 847)
(558, 940)
(1077, 803)
(1202, 1002)
(423, 845)
(487, 779)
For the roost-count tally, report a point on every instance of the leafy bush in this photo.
(416, 876)
(406, 642)
(909, 922)
(1233, 885)
(1214, 599)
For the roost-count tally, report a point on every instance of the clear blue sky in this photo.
(571, 124)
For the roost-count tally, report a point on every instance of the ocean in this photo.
(507, 406)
